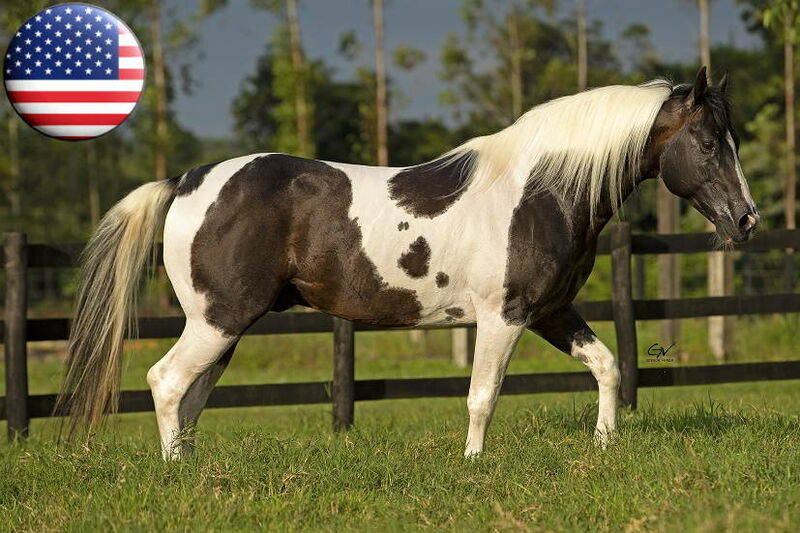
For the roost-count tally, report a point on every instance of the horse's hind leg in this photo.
(182, 380)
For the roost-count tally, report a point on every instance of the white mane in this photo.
(574, 142)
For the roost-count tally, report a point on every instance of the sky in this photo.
(232, 39)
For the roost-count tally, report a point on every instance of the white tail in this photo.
(111, 267)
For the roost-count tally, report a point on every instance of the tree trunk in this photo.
(720, 264)
(515, 64)
(583, 61)
(669, 276)
(381, 106)
(705, 48)
(304, 144)
(160, 84)
(790, 192)
(91, 178)
(15, 198)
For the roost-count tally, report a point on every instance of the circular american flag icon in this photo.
(74, 71)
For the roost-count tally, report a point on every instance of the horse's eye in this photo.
(708, 146)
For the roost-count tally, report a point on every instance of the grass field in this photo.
(716, 458)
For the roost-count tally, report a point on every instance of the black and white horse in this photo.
(501, 231)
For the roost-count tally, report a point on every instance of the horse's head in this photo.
(699, 160)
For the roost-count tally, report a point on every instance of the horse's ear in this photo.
(700, 86)
(723, 83)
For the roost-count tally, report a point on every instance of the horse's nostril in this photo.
(747, 222)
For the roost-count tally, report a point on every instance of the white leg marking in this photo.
(603, 365)
(494, 345)
(193, 358)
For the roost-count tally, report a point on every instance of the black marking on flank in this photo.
(429, 189)
(454, 313)
(279, 235)
(401, 226)
(442, 279)
(192, 180)
(414, 262)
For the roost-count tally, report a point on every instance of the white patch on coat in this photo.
(604, 368)
(740, 174)
(468, 242)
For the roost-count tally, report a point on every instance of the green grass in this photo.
(716, 458)
(703, 459)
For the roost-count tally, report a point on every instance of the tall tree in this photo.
(719, 264)
(304, 142)
(160, 83)
(381, 101)
(783, 15)
(583, 60)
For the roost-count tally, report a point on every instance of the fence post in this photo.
(462, 346)
(16, 356)
(343, 374)
(624, 319)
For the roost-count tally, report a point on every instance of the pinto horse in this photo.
(501, 231)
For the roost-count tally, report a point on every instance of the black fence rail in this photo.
(17, 407)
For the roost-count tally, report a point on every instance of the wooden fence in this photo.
(17, 407)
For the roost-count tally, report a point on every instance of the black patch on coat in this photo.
(442, 279)
(192, 180)
(401, 226)
(278, 235)
(547, 262)
(428, 190)
(414, 262)
(454, 312)
(564, 327)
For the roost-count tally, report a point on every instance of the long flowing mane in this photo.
(571, 144)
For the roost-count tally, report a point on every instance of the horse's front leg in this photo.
(494, 343)
(567, 331)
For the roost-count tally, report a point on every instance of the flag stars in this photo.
(97, 49)
(78, 49)
(58, 18)
(47, 41)
(88, 41)
(78, 33)
(47, 71)
(38, 63)
(87, 10)
(69, 11)
(108, 56)
(27, 26)
(108, 25)
(68, 26)
(98, 18)
(78, 18)
(87, 26)
(38, 18)
(19, 49)
(58, 49)
(38, 49)
(88, 71)
(98, 33)
(108, 41)
(38, 34)
(58, 63)
(98, 63)
(88, 55)
(47, 55)
(68, 41)
(27, 56)
(58, 34)
(108, 71)
(68, 55)
(78, 63)
(48, 26)
(68, 71)
(27, 41)
(27, 71)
